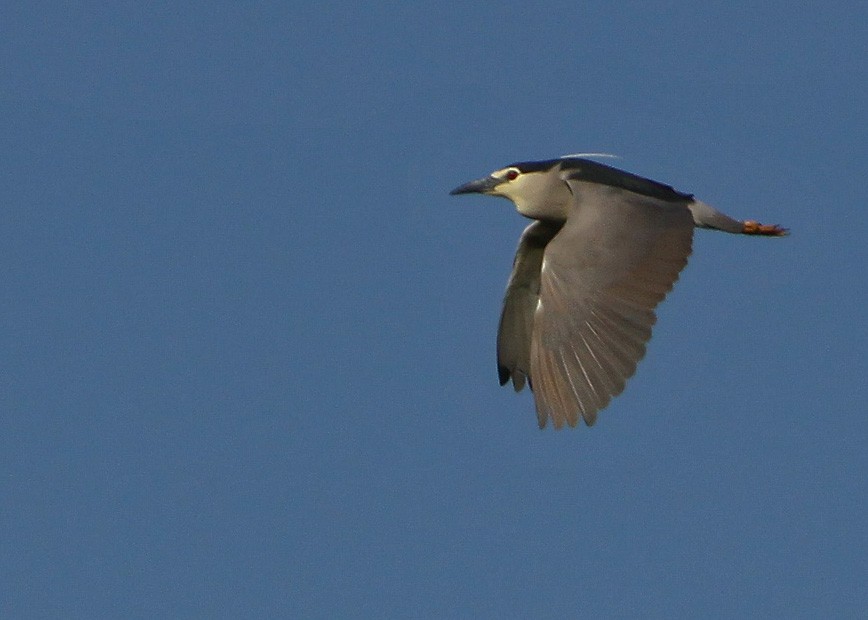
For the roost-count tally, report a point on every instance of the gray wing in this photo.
(616, 257)
(519, 304)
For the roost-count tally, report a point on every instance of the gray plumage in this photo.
(605, 248)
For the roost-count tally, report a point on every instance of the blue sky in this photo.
(248, 345)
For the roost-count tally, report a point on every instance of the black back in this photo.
(595, 172)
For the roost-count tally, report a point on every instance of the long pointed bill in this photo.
(479, 186)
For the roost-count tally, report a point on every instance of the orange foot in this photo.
(752, 227)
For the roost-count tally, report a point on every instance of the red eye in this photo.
(512, 175)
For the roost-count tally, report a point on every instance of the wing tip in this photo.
(518, 377)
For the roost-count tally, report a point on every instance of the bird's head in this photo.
(536, 188)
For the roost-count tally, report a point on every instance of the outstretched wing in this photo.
(601, 276)
(519, 304)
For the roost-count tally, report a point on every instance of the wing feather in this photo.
(519, 304)
(601, 277)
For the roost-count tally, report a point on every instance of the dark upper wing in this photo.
(602, 275)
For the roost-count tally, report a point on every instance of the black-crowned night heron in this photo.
(605, 248)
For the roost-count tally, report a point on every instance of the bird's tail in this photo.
(706, 216)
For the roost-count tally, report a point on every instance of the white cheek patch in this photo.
(517, 189)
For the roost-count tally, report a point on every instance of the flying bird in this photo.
(605, 248)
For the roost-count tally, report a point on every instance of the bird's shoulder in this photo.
(580, 169)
